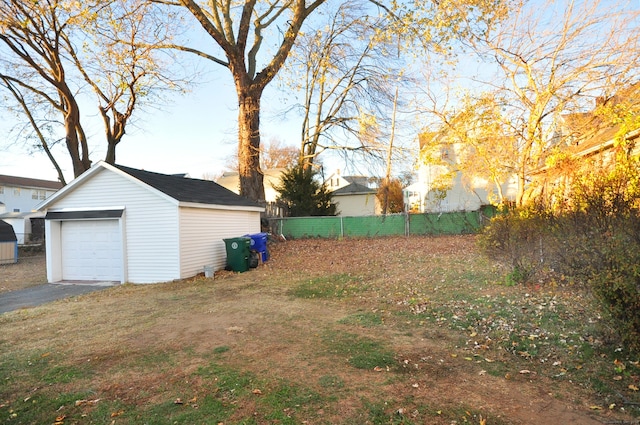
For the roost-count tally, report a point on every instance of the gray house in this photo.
(120, 224)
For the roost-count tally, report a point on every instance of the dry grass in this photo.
(28, 271)
(281, 344)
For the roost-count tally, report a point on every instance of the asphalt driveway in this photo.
(41, 294)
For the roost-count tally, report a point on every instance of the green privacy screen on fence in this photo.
(452, 223)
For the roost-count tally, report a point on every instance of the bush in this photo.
(617, 286)
(519, 240)
(593, 236)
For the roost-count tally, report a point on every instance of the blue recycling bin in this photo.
(259, 244)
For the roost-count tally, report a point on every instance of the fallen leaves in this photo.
(79, 403)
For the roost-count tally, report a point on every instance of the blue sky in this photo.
(194, 133)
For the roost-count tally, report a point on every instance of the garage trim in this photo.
(84, 214)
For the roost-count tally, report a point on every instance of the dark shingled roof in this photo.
(353, 189)
(6, 232)
(189, 190)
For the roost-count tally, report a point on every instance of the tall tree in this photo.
(41, 133)
(123, 65)
(238, 30)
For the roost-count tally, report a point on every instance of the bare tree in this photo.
(278, 155)
(53, 51)
(274, 154)
(27, 107)
(124, 68)
(33, 59)
(346, 71)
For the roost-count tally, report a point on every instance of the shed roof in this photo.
(6, 232)
(186, 189)
(176, 187)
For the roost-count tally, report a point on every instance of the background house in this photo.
(591, 139)
(115, 223)
(353, 195)
(19, 197)
(442, 187)
(272, 179)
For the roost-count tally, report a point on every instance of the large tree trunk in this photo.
(73, 144)
(251, 177)
(75, 139)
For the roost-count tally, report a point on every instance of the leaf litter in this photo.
(455, 329)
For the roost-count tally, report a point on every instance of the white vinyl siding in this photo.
(202, 232)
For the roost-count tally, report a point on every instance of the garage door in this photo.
(91, 250)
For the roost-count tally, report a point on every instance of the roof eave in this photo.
(221, 206)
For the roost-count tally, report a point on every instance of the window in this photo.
(1, 189)
(38, 194)
(16, 191)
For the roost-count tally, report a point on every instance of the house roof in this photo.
(231, 179)
(29, 182)
(359, 180)
(186, 189)
(353, 189)
(181, 189)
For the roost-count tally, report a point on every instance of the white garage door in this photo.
(91, 250)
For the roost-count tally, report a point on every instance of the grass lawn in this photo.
(418, 330)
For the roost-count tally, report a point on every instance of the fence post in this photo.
(407, 224)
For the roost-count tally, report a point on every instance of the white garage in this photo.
(119, 224)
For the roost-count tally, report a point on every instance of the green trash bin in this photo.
(238, 252)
